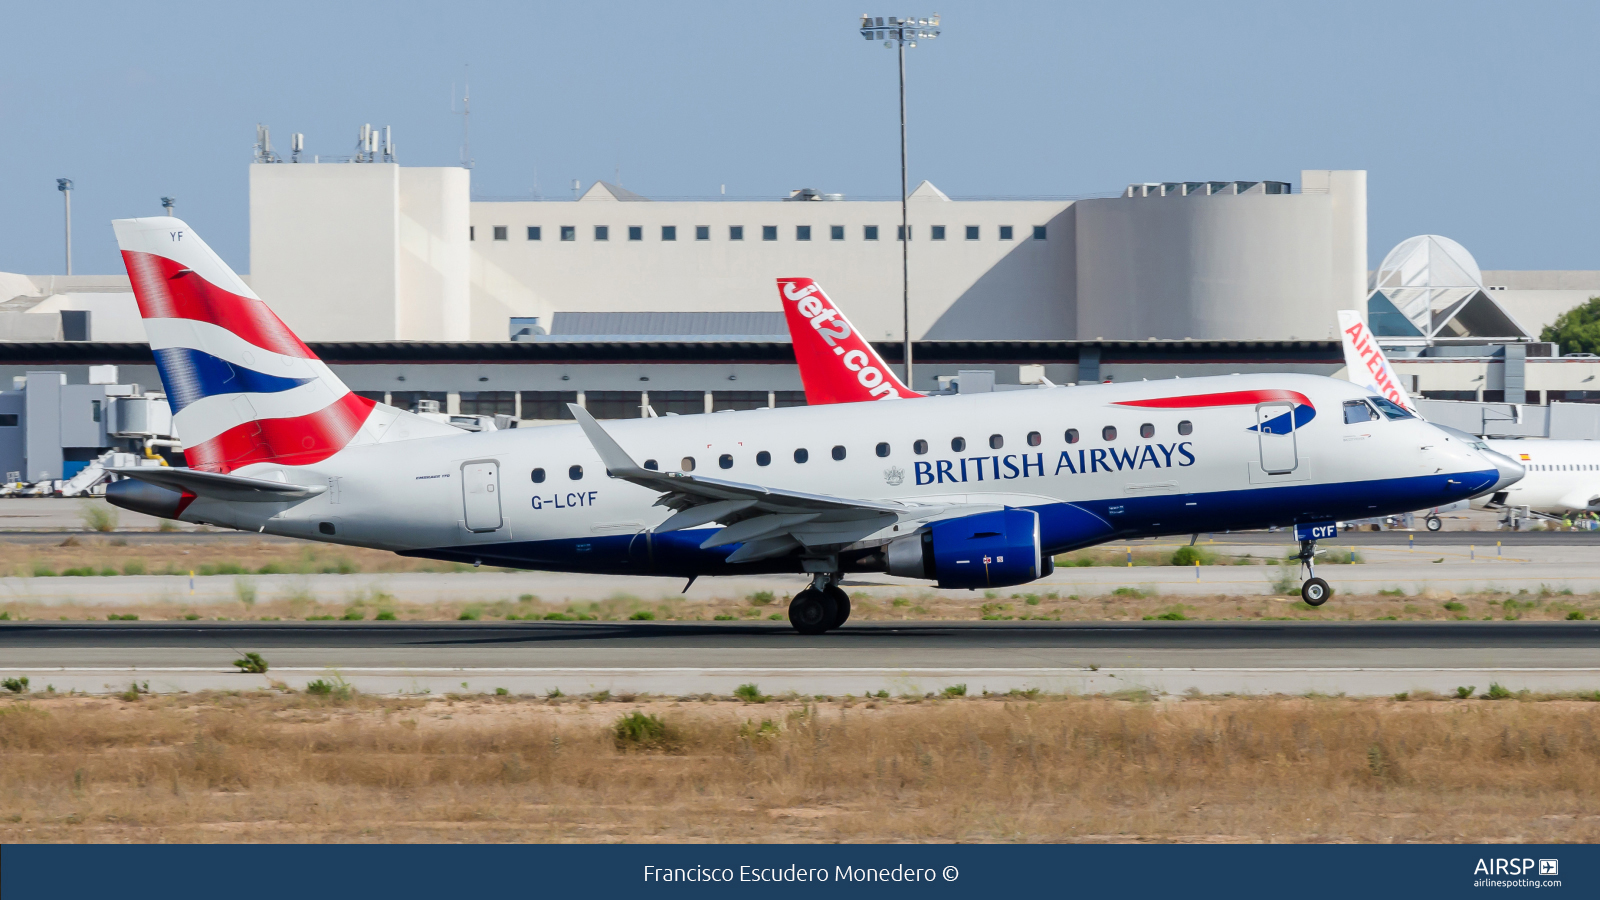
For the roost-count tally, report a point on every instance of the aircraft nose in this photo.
(1510, 470)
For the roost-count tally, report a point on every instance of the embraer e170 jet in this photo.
(975, 491)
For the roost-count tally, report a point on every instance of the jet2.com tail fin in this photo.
(242, 387)
(837, 364)
(1365, 363)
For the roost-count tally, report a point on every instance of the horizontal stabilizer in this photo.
(217, 486)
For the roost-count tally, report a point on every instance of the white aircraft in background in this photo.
(976, 491)
(1562, 477)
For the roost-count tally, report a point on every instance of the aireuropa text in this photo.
(794, 873)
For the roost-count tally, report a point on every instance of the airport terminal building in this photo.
(412, 290)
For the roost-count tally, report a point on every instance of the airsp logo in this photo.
(894, 475)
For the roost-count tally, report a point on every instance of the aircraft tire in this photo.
(1435, 523)
(812, 612)
(841, 603)
(1315, 592)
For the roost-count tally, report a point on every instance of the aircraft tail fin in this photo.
(1365, 363)
(242, 387)
(837, 364)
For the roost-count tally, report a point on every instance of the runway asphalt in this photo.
(685, 658)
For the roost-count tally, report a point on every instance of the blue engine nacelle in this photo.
(986, 550)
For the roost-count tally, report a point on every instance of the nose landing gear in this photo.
(821, 607)
(1314, 591)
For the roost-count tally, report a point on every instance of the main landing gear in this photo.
(1314, 591)
(821, 607)
(1434, 523)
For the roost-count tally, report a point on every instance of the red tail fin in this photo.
(837, 365)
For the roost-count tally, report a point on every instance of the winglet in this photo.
(617, 461)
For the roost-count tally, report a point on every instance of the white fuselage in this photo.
(1562, 476)
(1200, 468)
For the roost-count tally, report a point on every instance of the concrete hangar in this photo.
(413, 292)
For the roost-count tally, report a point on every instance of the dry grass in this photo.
(295, 768)
(868, 605)
(109, 555)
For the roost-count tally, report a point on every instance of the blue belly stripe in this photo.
(190, 375)
(1062, 526)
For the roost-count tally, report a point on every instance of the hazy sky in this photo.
(1474, 120)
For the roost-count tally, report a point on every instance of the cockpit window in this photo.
(1390, 408)
(1357, 411)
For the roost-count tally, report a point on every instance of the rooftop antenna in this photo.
(574, 188)
(297, 143)
(466, 119)
(388, 146)
(366, 144)
(264, 152)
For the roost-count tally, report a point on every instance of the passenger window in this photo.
(838, 452)
(687, 465)
(1186, 427)
(1147, 430)
(920, 448)
(1109, 433)
(996, 442)
(538, 476)
(1357, 411)
(725, 460)
(883, 449)
(1072, 435)
(651, 465)
(801, 455)
(958, 444)
(1391, 409)
(1035, 439)
(575, 473)
(763, 458)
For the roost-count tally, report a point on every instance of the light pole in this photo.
(64, 185)
(901, 33)
(167, 203)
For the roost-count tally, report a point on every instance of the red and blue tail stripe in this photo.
(191, 375)
(243, 388)
(1303, 411)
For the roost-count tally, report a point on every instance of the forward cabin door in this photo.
(480, 495)
(1275, 430)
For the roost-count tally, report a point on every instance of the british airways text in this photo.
(1028, 465)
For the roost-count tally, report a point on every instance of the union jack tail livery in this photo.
(1365, 363)
(837, 365)
(242, 387)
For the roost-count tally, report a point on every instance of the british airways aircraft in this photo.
(976, 491)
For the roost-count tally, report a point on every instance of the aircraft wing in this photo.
(1584, 498)
(767, 521)
(218, 486)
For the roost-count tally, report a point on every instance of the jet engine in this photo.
(985, 550)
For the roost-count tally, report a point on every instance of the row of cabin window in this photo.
(768, 232)
(959, 445)
(600, 404)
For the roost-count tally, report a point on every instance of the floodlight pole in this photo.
(905, 224)
(902, 32)
(64, 185)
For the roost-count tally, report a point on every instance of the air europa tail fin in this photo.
(1365, 363)
(837, 365)
(243, 388)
